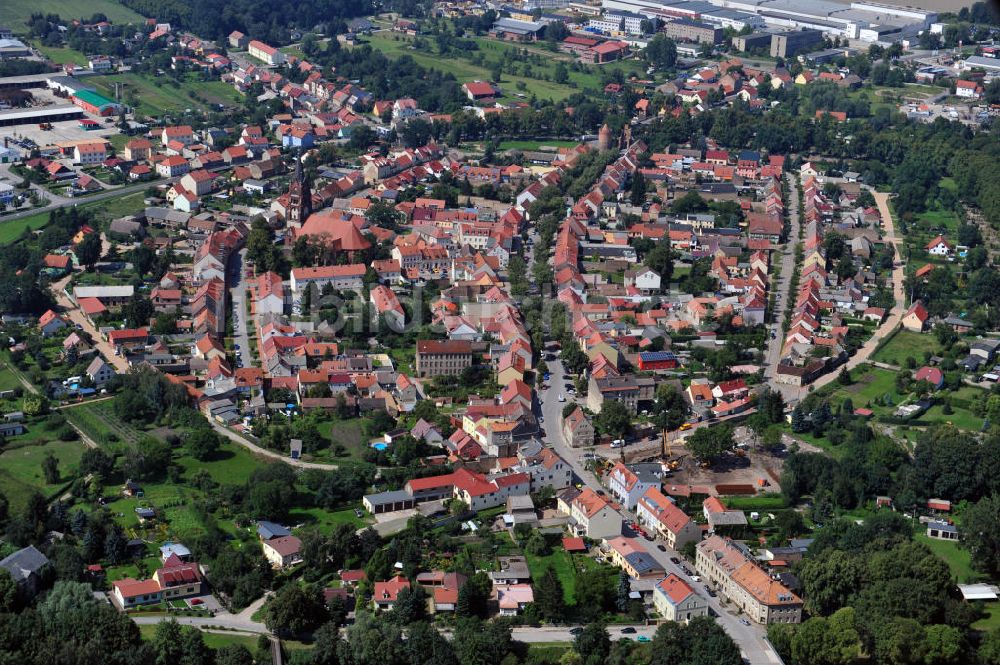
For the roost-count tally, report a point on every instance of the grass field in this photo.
(7, 379)
(213, 640)
(325, 520)
(99, 422)
(562, 563)
(345, 432)
(991, 621)
(957, 558)
(158, 95)
(106, 209)
(465, 71)
(21, 469)
(62, 55)
(905, 344)
(12, 230)
(535, 145)
(14, 13)
(871, 384)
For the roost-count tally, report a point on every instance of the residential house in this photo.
(675, 600)
(659, 513)
(283, 551)
(628, 484)
(387, 593)
(916, 317)
(577, 429)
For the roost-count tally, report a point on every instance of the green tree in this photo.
(980, 534)
(708, 444)
(593, 644)
(614, 419)
(237, 654)
(661, 259)
(294, 609)
(202, 444)
(88, 250)
(549, 596)
(50, 469)
(832, 641)
(8, 592)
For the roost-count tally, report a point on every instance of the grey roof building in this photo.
(25, 567)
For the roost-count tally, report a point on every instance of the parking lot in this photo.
(64, 131)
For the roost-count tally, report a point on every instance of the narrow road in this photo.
(529, 634)
(898, 310)
(76, 315)
(238, 296)
(264, 452)
(782, 286)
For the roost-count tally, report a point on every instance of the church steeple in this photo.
(299, 196)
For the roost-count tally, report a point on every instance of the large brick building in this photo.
(443, 357)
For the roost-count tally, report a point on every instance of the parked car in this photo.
(674, 560)
(643, 638)
(744, 622)
(628, 630)
(662, 548)
(575, 631)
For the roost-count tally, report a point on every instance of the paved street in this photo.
(782, 286)
(238, 295)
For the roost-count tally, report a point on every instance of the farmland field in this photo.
(14, 13)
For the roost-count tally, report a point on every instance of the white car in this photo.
(562, 398)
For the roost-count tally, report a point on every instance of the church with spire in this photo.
(299, 197)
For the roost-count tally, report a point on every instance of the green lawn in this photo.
(213, 640)
(99, 422)
(325, 520)
(535, 145)
(562, 562)
(106, 209)
(21, 468)
(14, 13)
(62, 55)
(8, 381)
(12, 230)
(905, 344)
(160, 95)
(992, 620)
(957, 558)
(231, 465)
(349, 433)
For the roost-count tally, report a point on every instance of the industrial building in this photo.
(732, 18)
(618, 21)
(865, 21)
(694, 31)
(33, 116)
(752, 42)
(785, 44)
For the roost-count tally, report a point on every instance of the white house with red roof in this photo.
(939, 246)
(265, 53)
(968, 89)
(916, 317)
(627, 485)
(675, 600)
